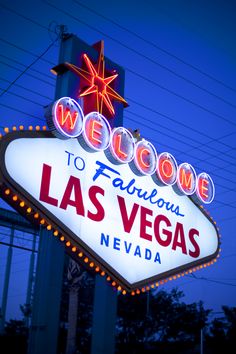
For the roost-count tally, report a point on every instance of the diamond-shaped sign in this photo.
(135, 230)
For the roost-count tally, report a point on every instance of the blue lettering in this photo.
(104, 239)
(129, 185)
(148, 254)
(117, 182)
(157, 258)
(69, 155)
(131, 189)
(116, 244)
(100, 170)
(127, 246)
(81, 162)
(176, 210)
(140, 195)
(160, 202)
(122, 245)
(153, 194)
(137, 251)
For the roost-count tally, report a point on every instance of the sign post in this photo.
(47, 296)
(104, 318)
(105, 299)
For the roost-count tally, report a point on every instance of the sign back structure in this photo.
(101, 194)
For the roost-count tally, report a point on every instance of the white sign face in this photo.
(138, 229)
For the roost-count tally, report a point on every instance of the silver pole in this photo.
(201, 342)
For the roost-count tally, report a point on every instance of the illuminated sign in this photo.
(112, 199)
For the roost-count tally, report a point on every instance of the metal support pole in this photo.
(74, 276)
(201, 342)
(6, 283)
(104, 318)
(30, 280)
(47, 296)
(72, 321)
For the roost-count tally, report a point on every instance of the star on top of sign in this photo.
(95, 83)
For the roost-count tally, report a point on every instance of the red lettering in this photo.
(196, 252)
(186, 179)
(142, 154)
(202, 187)
(45, 186)
(166, 169)
(95, 132)
(145, 223)
(67, 117)
(128, 221)
(73, 185)
(117, 147)
(99, 215)
(179, 239)
(167, 233)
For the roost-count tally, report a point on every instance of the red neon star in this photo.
(96, 84)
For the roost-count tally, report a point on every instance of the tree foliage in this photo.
(222, 332)
(153, 322)
(147, 320)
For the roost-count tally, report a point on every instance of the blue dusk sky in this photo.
(180, 69)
